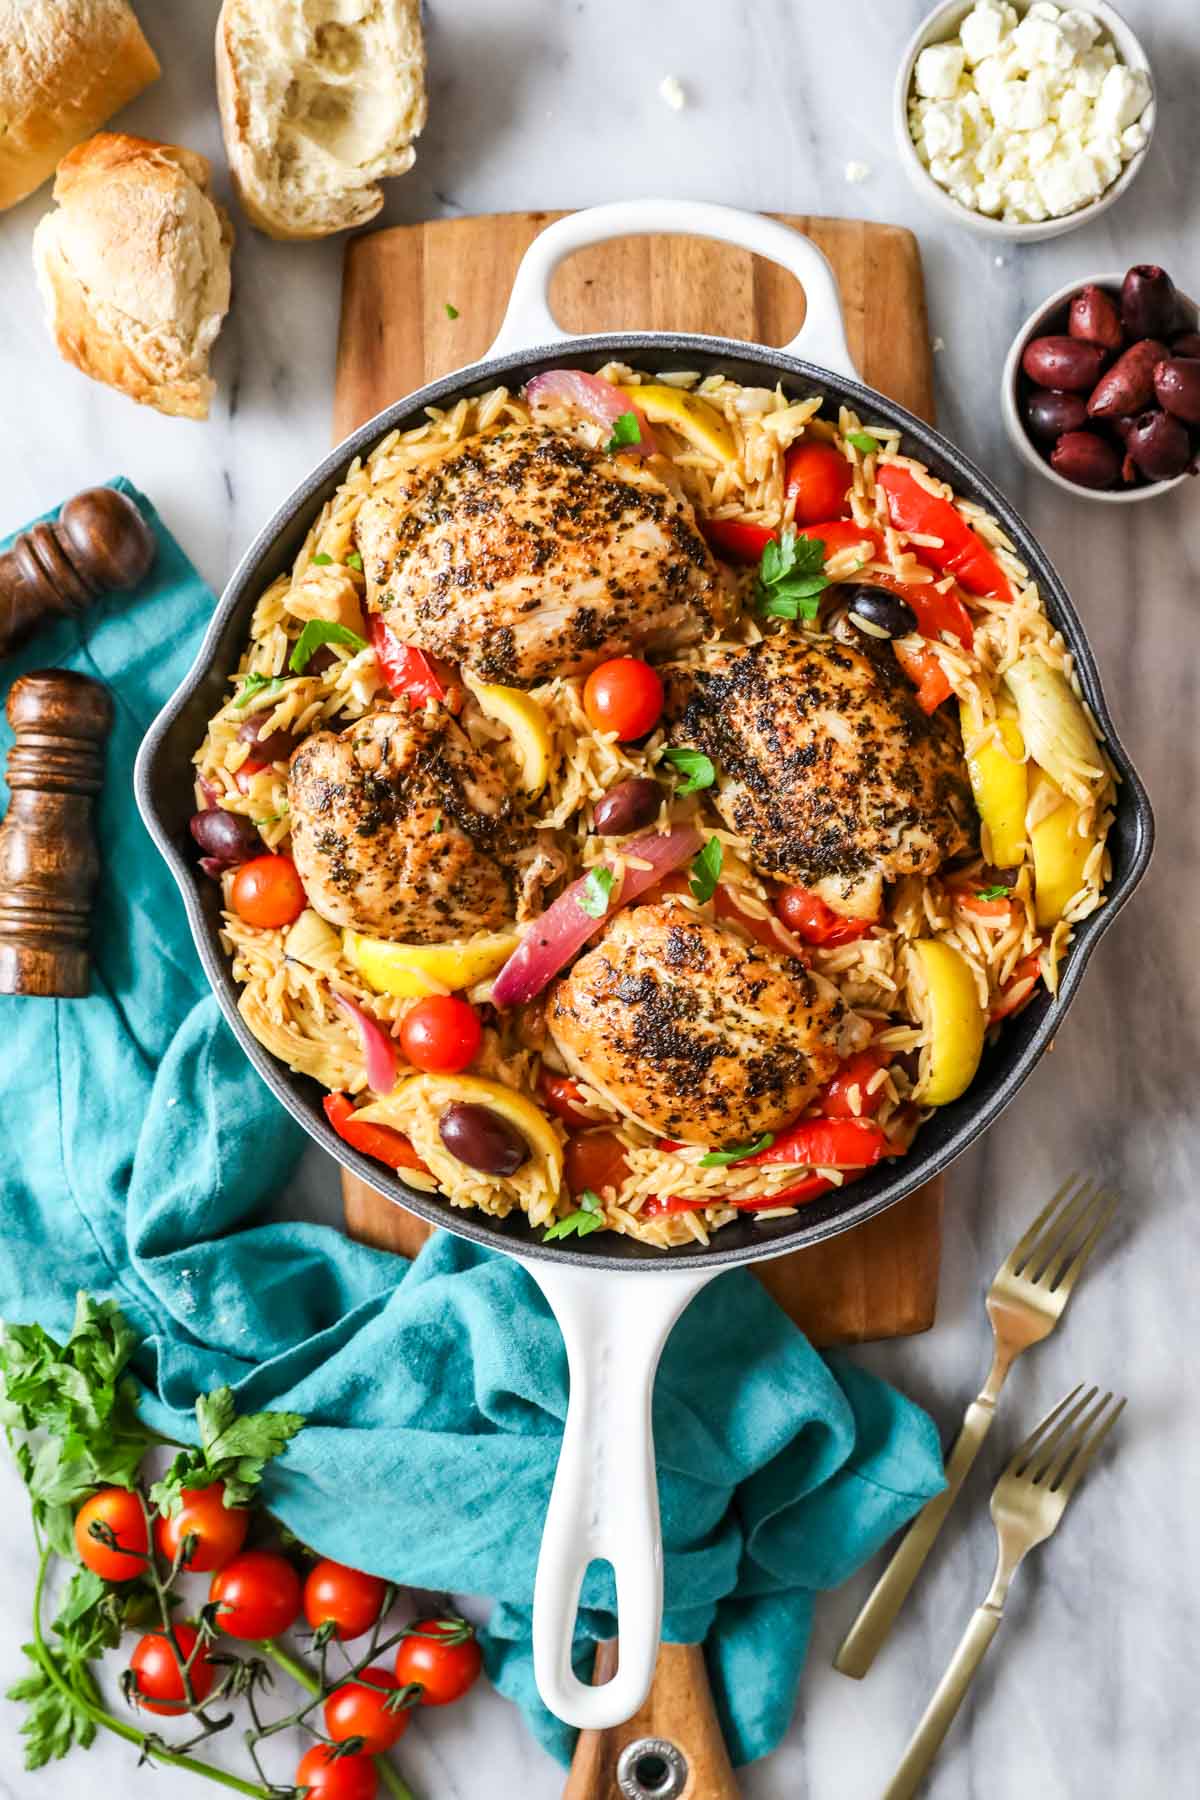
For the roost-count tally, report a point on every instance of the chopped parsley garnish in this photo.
(316, 633)
(626, 430)
(721, 1159)
(698, 769)
(595, 893)
(862, 440)
(706, 870)
(589, 1218)
(438, 825)
(791, 576)
(258, 684)
(321, 558)
(997, 892)
(354, 561)
(451, 311)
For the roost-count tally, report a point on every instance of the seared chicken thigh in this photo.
(401, 827)
(826, 764)
(523, 554)
(694, 1033)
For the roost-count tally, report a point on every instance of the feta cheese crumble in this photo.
(1025, 118)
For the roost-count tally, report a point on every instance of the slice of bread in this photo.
(320, 101)
(133, 265)
(65, 67)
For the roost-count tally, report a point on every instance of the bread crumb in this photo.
(857, 171)
(671, 90)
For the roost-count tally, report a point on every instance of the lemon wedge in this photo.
(1060, 851)
(999, 782)
(525, 721)
(697, 421)
(948, 1004)
(411, 970)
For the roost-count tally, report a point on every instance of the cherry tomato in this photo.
(257, 1594)
(359, 1710)
(765, 931)
(328, 1776)
(625, 696)
(117, 1511)
(442, 1657)
(596, 1160)
(563, 1097)
(267, 892)
(441, 1034)
(856, 1072)
(807, 915)
(160, 1686)
(817, 477)
(348, 1597)
(380, 1141)
(219, 1530)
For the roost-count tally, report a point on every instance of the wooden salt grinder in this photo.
(99, 544)
(49, 863)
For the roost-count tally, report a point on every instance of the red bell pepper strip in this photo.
(825, 1144)
(380, 1141)
(962, 552)
(743, 542)
(1019, 989)
(926, 673)
(816, 479)
(806, 914)
(808, 1189)
(1000, 907)
(936, 611)
(409, 673)
(858, 1071)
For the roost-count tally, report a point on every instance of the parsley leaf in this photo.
(721, 1159)
(998, 892)
(258, 684)
(596, 891)
(791, 576)
(316, 633)
(232, 1450)
(706, 870)
(862, 440)
(589, 1218)
(698, 768)
(626, 430)
(321, 558)
(451, 311)
(354, 561)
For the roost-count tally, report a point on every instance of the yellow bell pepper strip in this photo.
(999, 782)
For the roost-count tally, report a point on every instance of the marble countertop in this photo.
(535, 104)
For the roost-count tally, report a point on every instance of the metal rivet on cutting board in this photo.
(651, 1769)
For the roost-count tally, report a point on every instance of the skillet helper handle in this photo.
(604, 1503)
(99, 544)
(529, 323)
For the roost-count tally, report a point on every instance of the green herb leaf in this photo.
(316, 633)
(354, 561)
(451, 311)
(53, 1724)
(232, 1450)
(791, 576)
(321, 558)
(698, 768)
(258, 684)
(439, 825)
(590, 1201)
(706, 870)
(998, 892)
(862, 440)
(721, 1159)
(626, 430)
(588, 1218)
(596, 891)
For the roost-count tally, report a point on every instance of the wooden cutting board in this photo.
(397, 332)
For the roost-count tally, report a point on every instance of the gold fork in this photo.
(1030, 1499)
(1024, 1303)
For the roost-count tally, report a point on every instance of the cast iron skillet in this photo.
(604, 1503)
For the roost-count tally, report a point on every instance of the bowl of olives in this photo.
(1101, 389)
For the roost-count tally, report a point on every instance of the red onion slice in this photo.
(599, 399)
(565, 927)
(378, 1054)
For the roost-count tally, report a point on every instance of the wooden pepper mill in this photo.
(49, 863)
(99, 544)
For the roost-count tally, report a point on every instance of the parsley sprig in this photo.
(997, 892)
(257, 684)
(698, 770)
(317, 632)
(596, 892)
(706, 870)
(791, 576)
(625, 431)
(232, 1450)
(587, 1218)
(862, 440)
(721, 1159)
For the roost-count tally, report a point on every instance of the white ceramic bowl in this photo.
(941, 25)
(1051, 317)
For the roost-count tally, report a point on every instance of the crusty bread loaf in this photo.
(320, 101)
(134, 268)
(65, 67)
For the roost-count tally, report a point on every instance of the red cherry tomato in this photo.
(116, 1513)
(856, 1072)
(267, 892)
(817, 477)
(257, 1595)
(441, 1034)
(765, 931)
(359, 1710)
(219, 1530)
(442, 1657)
(595, 1160)
(351, 1599)
(160, 1686)
(331, 1777)
(563, 1097)
(807, 915)
(625, 696)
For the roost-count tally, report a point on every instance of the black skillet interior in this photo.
(164, 782)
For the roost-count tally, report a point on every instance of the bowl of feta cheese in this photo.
(1023, 122)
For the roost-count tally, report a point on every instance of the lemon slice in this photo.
(1060, 853)
(697, 421)
(525, 720)
(411, 970)
(1000, 784)
(947, 1001)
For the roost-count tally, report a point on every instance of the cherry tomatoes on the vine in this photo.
(110, 1534)
(442, 1657)
(267, 892)
(160, 1687)
(257, 1594)
(359, 1709)
(328, 1776)
(219, 1530)
(624, 695)
(347, 1597)
(441, 1034)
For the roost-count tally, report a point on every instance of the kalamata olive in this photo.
(883, 613)
(1096, 319)
(322, 658)
(628, 806)
(483, 1140)
(1064, 362)
(276, 746)
(1085, 458)
(1129, 384)
(1158, 446)
(1149, 303)
(1186, 343)
(1177, 385)
(1048, 413)
(228, 837)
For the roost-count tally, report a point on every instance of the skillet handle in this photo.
(604, 1502)
(529, 324)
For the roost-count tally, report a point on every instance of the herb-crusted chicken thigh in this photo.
(826, 764)
(524, 554)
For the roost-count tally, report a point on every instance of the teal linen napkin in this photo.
(145, 1153)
